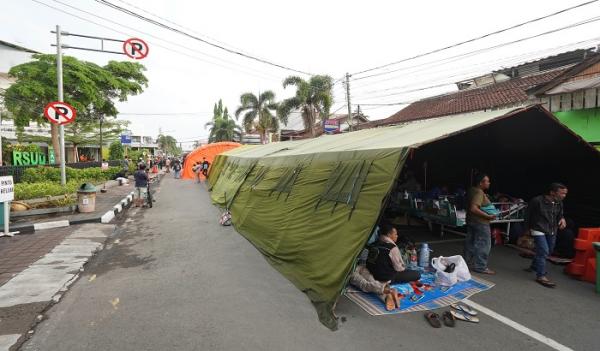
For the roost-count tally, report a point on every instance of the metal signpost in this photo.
(61, 113)
(7, 194)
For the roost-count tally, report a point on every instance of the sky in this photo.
(187, 76)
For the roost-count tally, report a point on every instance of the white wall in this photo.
(10, 57)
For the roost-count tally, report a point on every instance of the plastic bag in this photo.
(461, 270)
(441, 277)
(225, 219)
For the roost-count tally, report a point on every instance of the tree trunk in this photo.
(312, 121)
(75, 153)
(55, 142)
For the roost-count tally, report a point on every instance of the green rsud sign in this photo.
(28, 158)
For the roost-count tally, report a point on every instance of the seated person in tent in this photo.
(410, 183)
(364, 280)
(385, 260)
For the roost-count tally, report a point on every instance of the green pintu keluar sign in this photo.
(30, 158)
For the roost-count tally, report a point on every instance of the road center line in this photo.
(519, 327)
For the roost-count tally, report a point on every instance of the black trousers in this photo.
(406, 276)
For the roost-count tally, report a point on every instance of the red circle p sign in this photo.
(135, 48)
(60, 113)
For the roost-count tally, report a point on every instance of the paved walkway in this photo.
(176, 280)
(20, 251)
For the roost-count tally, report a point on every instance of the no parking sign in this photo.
(135, 48)
(60, 113)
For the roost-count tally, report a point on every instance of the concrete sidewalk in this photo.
(115, 199)
(42, 267)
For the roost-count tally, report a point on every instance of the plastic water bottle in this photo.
(412, 262)
(424, 255)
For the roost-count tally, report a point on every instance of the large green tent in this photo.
(309, 206)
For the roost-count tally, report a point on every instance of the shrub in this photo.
(24, 191)
(52, 174)
(115, 151)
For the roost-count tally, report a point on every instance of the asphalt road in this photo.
(174, 279)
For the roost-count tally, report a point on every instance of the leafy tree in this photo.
(222, 126)
(168, 144)
(258, 113)
(91, 89)
(115, 151)
(313, 98)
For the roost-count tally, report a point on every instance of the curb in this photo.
(105, 218)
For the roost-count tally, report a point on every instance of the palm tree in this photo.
(258, 113)
(313, 98)
(223, 127)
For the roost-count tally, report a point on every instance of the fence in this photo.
(18, 171)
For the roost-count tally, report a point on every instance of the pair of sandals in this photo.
(457, 312)
(434, 319)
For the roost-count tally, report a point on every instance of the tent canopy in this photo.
(208, 151)
(309, 206)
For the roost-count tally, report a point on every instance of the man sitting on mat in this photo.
(385, 261)
(364, 280)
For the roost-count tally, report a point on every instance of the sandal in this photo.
(465, 309)
(390, 305)
(448, 319)
(464, 316)
(546, 282)
(395, 297)
(433, 319)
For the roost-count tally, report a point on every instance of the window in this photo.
(345, 183)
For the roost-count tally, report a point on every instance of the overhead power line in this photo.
(490, 66)
(478, 51)
(195, 37)
(246, 70)
(477, 38)
(451, 80)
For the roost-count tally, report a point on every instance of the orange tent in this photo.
(210, 151)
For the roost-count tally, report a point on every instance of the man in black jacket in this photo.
(544, 219)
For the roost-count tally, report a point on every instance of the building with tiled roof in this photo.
(500, 89)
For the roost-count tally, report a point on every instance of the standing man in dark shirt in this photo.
(544, 219)
(141, 185)
(205, 165)
(478, 242)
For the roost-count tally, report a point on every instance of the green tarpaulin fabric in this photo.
(586, 123)
(309, 206)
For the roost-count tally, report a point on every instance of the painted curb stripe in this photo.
(49, 225)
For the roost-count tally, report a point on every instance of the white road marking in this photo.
(519, 327)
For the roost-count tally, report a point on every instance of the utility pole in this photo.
(61, 128)
(348, 100)
(101, 121)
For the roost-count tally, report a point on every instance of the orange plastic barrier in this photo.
(584, 265)
(208, 151)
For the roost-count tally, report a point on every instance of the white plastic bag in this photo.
(461, 270)
(443, 278)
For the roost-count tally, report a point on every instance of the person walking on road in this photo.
(177, 169)
(205, 165)
(197, 169)
(544, 219)
(168, 165)
(141, 185)
(478, 242)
